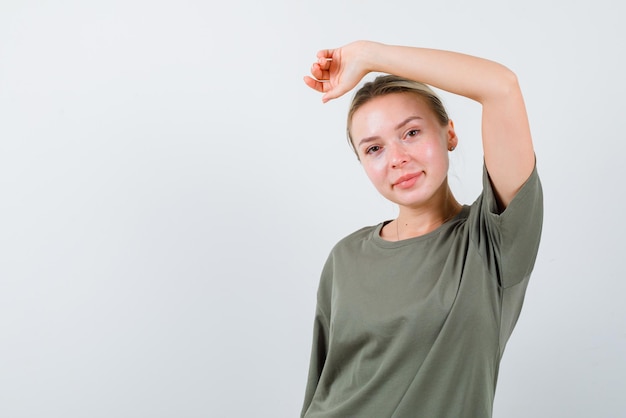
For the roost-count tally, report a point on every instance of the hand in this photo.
(338, 71)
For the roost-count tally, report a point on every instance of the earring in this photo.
(451, 149)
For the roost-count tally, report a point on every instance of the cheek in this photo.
(375, 170)
(436, 153)
(378, 165)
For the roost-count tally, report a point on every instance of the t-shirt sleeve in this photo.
(508, 240)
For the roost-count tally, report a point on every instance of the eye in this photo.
(412, 133)
(372, 149)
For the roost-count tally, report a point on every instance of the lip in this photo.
(406, 181)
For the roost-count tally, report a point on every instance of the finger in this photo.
(325, 58)
(325, 63)
(318, 73)
(325, 53)
(314, 84)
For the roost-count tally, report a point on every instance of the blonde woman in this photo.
(413, 314)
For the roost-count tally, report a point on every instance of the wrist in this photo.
(370, 53)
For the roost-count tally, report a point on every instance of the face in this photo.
(403, 148)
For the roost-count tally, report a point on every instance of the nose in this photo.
(398, 156)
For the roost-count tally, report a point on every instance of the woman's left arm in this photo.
(507, 143)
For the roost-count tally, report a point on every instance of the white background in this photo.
(169, 191)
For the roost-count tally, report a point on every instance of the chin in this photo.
(411, 198)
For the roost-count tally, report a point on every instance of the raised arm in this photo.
(507, 143)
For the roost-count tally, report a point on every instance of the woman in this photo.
(413, 314)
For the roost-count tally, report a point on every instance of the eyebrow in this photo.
(398, 126)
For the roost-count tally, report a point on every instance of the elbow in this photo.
(507, 83)
(503, 84)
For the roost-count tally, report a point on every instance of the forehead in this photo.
(387, 111)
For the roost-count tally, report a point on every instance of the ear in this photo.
(453, 140)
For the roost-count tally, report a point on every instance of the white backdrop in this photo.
(169, 191)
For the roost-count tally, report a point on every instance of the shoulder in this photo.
(358, 237)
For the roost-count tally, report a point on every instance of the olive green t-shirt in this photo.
(417, 328)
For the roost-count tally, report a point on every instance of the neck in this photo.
(416, 221)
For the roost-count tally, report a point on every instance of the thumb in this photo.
(327, 97)
(333, 93)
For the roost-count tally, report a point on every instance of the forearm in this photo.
(476, 78)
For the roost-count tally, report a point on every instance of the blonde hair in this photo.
(389, 84)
